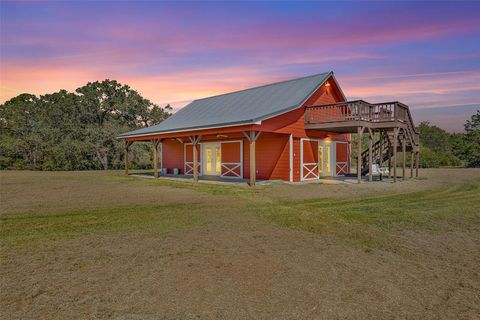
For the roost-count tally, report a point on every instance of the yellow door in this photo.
(324, 158)
(212, 158)
(320, 159)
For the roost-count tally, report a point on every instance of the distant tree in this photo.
(471, 141)
(436, 147)
(75, 131)
(19, 139)
(110, 108)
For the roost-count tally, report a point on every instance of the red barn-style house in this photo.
(294, 130)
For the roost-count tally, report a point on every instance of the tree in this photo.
(471, 150)
(110, 108)
(75, 131)
(436, 147)
(19, 140)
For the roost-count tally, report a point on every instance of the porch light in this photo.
(222, 136)
(327, 84)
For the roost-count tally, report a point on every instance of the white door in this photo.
(325, 159)
(211, 159)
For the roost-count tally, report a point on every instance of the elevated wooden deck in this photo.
(392, 120)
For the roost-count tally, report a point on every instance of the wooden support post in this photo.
(253, 169)
(359, 154)
(411, 164)
(155, 142)
(390, 174)
(127, 146)
(195, 140)
(417, 160)
(252, 136)
(370, 154)
(404, 151)
(395, 143)
(380, 148)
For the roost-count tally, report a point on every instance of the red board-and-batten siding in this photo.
(272, 147)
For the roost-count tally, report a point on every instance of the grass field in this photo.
(102, 245)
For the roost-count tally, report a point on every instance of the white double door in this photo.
(212, 158)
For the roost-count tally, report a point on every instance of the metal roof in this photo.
(247, 106)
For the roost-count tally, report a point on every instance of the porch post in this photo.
(155, 142)
(359, 154)
(411, 163)
(404, 151)
(417, 160)
(127, 146)
(370, 154)
(195, 140)
(395, 142)
(252, 136)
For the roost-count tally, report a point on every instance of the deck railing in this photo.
(360, 110)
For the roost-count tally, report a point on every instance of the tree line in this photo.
(440, 148)
(75, 130)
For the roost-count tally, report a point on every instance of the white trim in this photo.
(339, 88)
(306, 165)
(231, 170)
(342, 165)
(237, 164)
(290, 142)
(190, 163)
(310, 167)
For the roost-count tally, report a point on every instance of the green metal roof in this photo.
(247, 106)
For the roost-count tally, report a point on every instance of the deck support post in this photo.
(395, 144)
(417, 160)
(411, 164)
(390, 174)
(380, 150)
(252, 137)
(155, 142)
(404, 151)
(195, 140)
(127, 146)
(359, 154)
(370, 154)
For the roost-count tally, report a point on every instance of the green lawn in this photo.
(369, 219)
(105, 245)
(366, 219)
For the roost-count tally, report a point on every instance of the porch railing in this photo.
(360, 110)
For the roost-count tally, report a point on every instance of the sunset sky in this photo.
(425, 54)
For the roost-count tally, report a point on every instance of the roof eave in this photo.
(240, 123)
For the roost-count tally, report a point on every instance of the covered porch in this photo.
(209, 155)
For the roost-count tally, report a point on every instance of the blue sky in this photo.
(425, 54)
